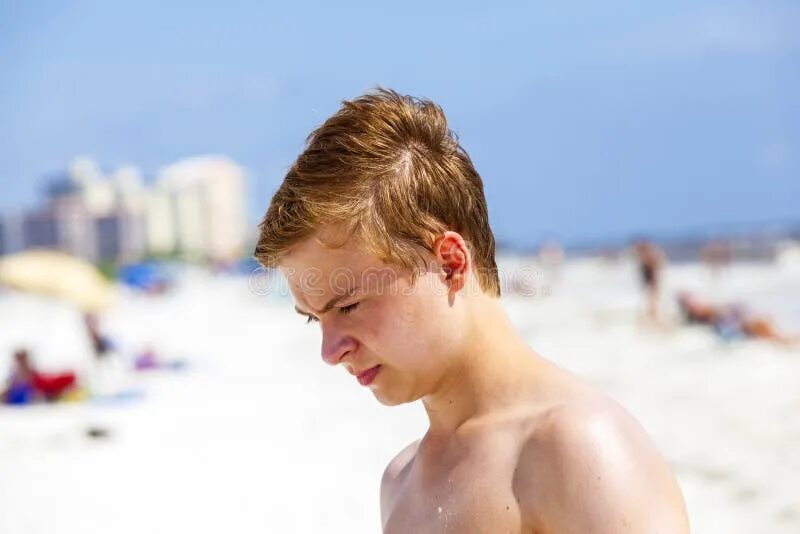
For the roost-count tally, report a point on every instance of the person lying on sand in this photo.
(26, 384)
(731, 321)
(381, 228)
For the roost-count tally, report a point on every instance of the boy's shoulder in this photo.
(392, 475)
(582, 464)
(587, 462)
(400, 462)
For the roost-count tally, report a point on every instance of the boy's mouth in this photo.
(365, 378)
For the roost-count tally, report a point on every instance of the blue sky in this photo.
(587, 120)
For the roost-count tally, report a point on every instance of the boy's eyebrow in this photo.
(331, 303)
(301, 312)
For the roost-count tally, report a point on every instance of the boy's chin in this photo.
(387, 399)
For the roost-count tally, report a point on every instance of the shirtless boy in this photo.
(381, 228)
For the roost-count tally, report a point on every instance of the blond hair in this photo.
(388, 168)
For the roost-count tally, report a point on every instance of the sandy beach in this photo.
(257, 434)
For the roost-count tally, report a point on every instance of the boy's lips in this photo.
(365, 378)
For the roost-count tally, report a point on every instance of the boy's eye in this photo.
(344, 310)
(347, 309)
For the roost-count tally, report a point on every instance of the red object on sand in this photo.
(53, 385)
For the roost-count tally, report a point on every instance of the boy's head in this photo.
(384, 210)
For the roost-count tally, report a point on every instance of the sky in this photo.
(587, 120)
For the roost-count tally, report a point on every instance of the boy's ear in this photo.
(454, 258)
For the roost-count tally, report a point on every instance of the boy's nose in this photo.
(335, 347)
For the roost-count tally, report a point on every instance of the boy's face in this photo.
(373, 318)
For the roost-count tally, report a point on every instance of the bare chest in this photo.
(466, 495)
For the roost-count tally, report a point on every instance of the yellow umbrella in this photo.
(59, 275)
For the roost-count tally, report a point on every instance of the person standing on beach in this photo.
(651, 262)
(381, 228)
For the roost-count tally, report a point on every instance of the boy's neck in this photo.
(490, 375)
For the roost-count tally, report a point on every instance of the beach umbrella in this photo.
(59, 275)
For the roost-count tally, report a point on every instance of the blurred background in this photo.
(642, 168)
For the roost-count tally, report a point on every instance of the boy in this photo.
(381, 228)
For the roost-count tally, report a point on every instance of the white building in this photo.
(195, 209)
(207, 193)
(159, 228)
(113, 205)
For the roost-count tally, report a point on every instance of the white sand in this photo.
(261, 436)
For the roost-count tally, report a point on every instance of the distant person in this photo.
(149, 360)
(731, 321)
(107, 375)
(101, 344)
(716, 255)
(551, 259)
(382, 229)
(26, 384)
(19, 385)
(551, 254)
(651, 263)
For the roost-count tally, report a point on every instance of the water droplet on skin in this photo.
(440, 509)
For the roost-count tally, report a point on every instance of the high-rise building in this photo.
(130, 212)
(11, 233)
(159, 223)
(3, 239)
(40, 230)
(195, 209)
(209, 212)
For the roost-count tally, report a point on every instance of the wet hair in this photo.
(387, 168)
